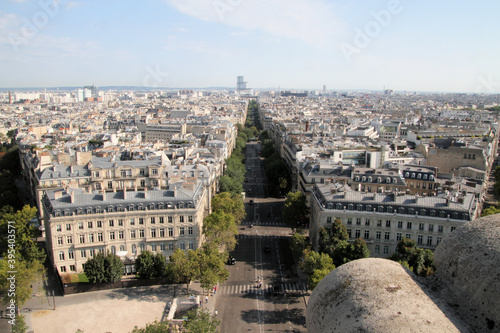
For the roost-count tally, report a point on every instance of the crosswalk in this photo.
(266, 288)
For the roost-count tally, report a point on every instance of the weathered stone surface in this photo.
(374, 295)
(468, 267)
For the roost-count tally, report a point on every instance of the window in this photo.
(72, 268)
(190, 219)
(408, 225)
(154, 172)
(113, 249)
(421, 227)
(377, 249)
(431, 227)
(190, 230)
(59, 241)
(111, 223)
(181, 219)
(378, 235)
(357, 234)
(162, 232)
(379, 223)
(399, 236)
(82, 239)
(121, 234)
(142, 246)
(191, 245)
(387, 236)
(162, 246)
(440, 228)
(367, 234)
(358, 220)
(120, 222)
(111, 235)
(420, 239)
(122, 247)
(170, 232)
(170, 220)
(170, 246)
(153, 233)
(349, 220)
(161, 219)
(143, 183)
(100, 237)
(132, 221)
(141, 233)
(91, 238)
(182, 246)
(80, 225)
(141, 220)
(89, 225)
(181, 231)
(153, 220)
(68, 227)
(367, 221)
(400, 224)
(153, 247)
(388, 223)
(99, 224)
(408, 236)
(69, 239)
(83, 254)
(386, 250)
(63, 269)
(438, 240)
(429, 240)
(329, 219)
(349, 233)
(61, 255)
(134, 249)
(453, 229)
(71, 255)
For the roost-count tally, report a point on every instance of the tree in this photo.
(25, 233)
(295, 209)
(299, 243)
(220, 229)
(20, 325)
(316, 266)
(159, 265)
(334, 242)
(156, 327)
(200, 321)
(26, 274)
(144, 265)
(211, 266)
(420, 261)
(104, 269)
(184, 267)
(228, 184)
(229, 203)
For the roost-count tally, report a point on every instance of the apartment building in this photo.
(81, 223)
(383, 219)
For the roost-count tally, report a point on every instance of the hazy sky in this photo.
(438, 45)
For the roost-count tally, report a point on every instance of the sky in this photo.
(404, 45)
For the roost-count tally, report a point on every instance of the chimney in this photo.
(103, 194)
(72, 196)
(145, 193)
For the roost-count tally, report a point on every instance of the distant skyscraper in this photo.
(93, 91)
(324, 89)
(241, 85)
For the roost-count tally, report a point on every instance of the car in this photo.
(231, 260)
(250, 202)
(267, 249)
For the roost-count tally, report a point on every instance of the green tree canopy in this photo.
(295, 210)
(144, 265)
(200, 321)
(334, 241)
(316, 266)
(420, 261)
(211, 266)
(184, 266)
(229, 203)
(26, 274)
(220, 229)
(299, 243)
(104, 268)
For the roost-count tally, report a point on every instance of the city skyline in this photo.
(399, 44)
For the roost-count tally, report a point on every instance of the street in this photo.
(279, 303)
